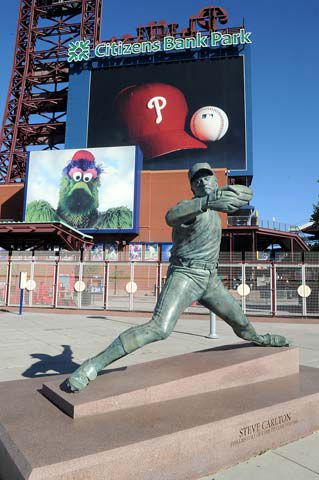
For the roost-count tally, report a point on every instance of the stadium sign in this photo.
(80, 50)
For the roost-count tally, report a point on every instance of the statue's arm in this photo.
(186, 211)
(229, 198)
(225, 199)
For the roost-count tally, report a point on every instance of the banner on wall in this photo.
(151, 252)
(135, 252)
(97, 253)
(166, 251)
(111, 252)
(91, 189)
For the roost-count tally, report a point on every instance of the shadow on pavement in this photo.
(111, 319)
(231, 346)
(61, 363)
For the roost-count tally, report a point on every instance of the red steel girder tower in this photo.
(35, 109)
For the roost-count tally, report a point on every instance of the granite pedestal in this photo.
(177, 418)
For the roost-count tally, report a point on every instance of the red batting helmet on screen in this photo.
(154, 115)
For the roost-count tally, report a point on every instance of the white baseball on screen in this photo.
(209, 124)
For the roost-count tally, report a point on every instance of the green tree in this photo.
(315, 215)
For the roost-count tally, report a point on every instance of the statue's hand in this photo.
(229, 198)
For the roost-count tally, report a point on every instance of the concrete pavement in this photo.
(45, 343)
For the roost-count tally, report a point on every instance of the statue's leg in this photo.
(217, 299)
(178, 293)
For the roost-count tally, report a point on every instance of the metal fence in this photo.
(286, 288)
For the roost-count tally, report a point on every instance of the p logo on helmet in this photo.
(159, 103)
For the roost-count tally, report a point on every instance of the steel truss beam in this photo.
(35, 107)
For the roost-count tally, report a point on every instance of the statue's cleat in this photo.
(270, 340)
(82, 376)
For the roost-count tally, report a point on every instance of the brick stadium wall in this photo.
(160, 190)
(11, 201)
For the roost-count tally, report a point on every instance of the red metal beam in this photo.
(45, 28)
(32, 233)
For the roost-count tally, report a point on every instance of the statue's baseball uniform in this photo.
(192, 275)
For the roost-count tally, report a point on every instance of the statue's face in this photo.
(203, 184)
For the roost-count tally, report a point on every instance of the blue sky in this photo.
(285, 71)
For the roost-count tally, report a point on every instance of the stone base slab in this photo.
(175, 377)
(178, 439)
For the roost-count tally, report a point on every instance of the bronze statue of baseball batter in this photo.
(192, 275)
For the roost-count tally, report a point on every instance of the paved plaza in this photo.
(47, 343)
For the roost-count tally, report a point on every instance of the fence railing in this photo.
(286, 288)
(251, 220)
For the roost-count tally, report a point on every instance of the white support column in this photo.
(56, 280)
(273, 289)
(304, 298)
(212, 326)
(131, 305)
(243, 281)
(80, 279)
(107, 280)
(31, 278)
(160, 278)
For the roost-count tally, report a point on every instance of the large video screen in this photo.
(90, 189)
(178, 113)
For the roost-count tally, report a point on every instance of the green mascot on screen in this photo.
(79, 199)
